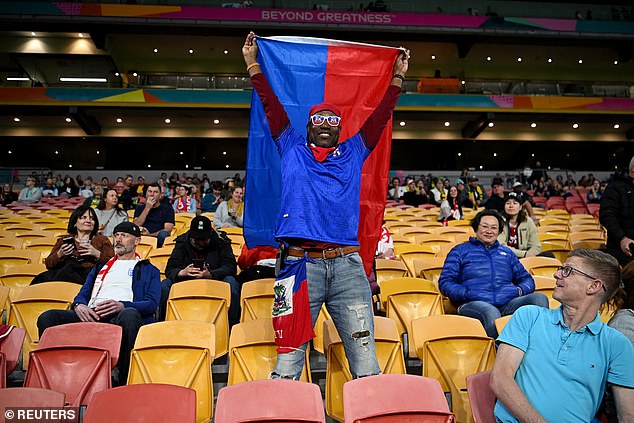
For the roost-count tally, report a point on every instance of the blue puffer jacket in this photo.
(146, 289)
(474, 272)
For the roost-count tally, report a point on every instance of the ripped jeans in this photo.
(340, 283)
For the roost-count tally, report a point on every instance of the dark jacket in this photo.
(218, 256)
(146, 289)
(473, 272)
(617, 210)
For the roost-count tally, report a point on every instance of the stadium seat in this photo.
(30, 397)
(388, 269)
(256, 299)
(10, 349)
(407, 253)
(179, 353)
(270, 401)
(204, 300)
(395, 398)
(481, 397)
(143, 403)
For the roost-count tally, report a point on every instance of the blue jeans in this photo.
(341, 284)
(234, 305)
(487, 313)
(160, 238)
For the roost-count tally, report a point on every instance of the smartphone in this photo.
(199, 263)
(69, 240)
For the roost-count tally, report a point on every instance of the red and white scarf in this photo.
(182, 204)
(96, 288)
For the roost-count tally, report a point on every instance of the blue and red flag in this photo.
(304, 72)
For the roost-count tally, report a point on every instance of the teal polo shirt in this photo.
(564, 374)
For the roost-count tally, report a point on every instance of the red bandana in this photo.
(321, 153)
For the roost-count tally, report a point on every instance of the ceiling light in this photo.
(32, 33)
(519, 59)
(181, 153)
(532, 154)
(616, 62)
(155, 50)
(116, 74)
(168, 120)
(481, 167)
(227, 166)
(56, 152)
(550, 60)
(617, 126)
(489, 58)
(433, 57)
(135, 74)
(16, 119)
(533, 125)
(495, 154)
(81, 35)
(226, 51)
(459, 154)
(216, 121)
(97, 152)
(186, 166)
(190, 51)
(68, 120)
(580, 61)
(149, 166)
(491, 124)
(447, 123)
(17, 78)
(70, 165)
(401, 123)
(119, 120)
(224, 153)
(81, 79)
(10, 152)
(463, 82)
(575, 125)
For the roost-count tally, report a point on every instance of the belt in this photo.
(328, 253)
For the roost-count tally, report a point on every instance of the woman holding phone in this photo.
(73, 255)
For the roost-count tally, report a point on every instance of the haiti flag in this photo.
(303, 72)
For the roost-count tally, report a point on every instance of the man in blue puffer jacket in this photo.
(485, 279)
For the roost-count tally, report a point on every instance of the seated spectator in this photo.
(385, 246)
(7, 196)
(97, 195)
(49, 189)
(229, 213)
(594, 193)
(155, 218)
(450, 208)
(519, 233)
(125, 199)
(396, 191)
(212, 199)
(183, 202)
(109, 213)
(496, 200)
(87, 188)
(553, 365)
(484, 279)
(165, 190)
(124, 291)
(413, 196)
(139, 189)
(256, 263)
(463, 194)
(540, 190)
(438, 192)
(73, 255)
(69, 189)
(477, 194)
(202, 253)
(30, 193)
(524, 198)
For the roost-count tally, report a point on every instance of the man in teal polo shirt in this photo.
(553, 365)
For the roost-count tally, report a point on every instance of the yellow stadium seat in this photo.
(256, 299)
(546, 285)
(501, 322)
(9, 259)
(388, 269)
(407, 253)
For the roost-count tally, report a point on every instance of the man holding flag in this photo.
(318, 221)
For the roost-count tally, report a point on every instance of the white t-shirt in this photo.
(117, 285)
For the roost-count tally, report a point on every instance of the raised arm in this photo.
(275, 113)
(503, 384)
(374, 125)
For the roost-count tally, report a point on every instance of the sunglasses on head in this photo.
(318, 120)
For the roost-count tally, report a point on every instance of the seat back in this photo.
(85, 334)
(179, 353)
(270, 401)
(389, 269)
(9, 259)
(79, 372)
(389, 352)
(546, 285)
(407, 253)
(10, 349)
(501, 322)
(35, 300)
(30, 397)
(143, 403)
(204, 300)
(256, 299)
(452, 348)
(481, 397)
(395, 398)
(318, 340)
(429, 268)
(253, 352)
(408, 299)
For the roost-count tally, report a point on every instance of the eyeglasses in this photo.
(487, 228)
(318, 120)
(567, 271)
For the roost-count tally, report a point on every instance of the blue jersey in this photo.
(320, 200)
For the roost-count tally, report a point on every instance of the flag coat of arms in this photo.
(303, 72)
